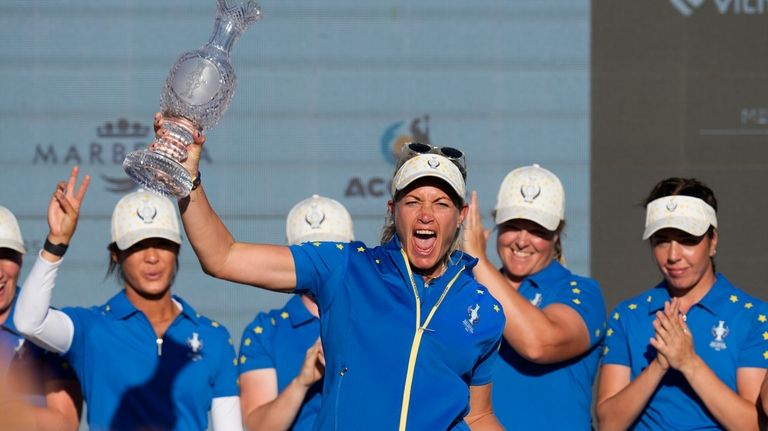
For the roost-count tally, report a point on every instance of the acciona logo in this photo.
(723, 7)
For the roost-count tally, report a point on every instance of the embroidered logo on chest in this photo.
(719, 332)
(195, 345)
(536, 301)
(473, 316)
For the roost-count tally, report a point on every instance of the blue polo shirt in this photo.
(729, 332)
(524, 393)
(20, 358)
(131, 382)
(279, 339)
(381, 371)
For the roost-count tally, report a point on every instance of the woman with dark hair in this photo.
(555, 319)
(146, 359)
(689, 353)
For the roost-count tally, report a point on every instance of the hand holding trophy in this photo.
(197, 92)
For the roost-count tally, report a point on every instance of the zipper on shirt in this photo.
(159, 342)
(342, 372)
(419, 332)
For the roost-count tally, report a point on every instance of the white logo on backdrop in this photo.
(723, 7)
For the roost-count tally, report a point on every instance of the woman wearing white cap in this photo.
(37, 391)
(281, 358)
(555, 319)
(409, 336)
(146, 360)
(691, 352)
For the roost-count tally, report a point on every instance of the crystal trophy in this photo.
(198, 89)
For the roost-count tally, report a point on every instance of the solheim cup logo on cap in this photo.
(315, 217)
(530, 190)
(114, 139)
(723, 7)
(146, 212)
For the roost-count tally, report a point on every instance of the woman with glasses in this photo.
(409, 336)
(145, 359)
(555, 319)
(691, 352)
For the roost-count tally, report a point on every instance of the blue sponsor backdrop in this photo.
(326, 88)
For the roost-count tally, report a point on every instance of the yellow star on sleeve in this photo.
(765, 354)
(242, 359)
(632, 306)
(496, 308)
(609, 332)
(748, 305)
(479, 291)
(762, 318)
(316, 244)
(360, 249)
(616, 316)
(378, 261)
(272, 321)
(605, 350)
(576, 290)
(734, 299)
(597, 332)
(215, 324)
(573, 283)
(340, 246)
(765, 335)
(247, 342)
(258, 329)
(284, 314)
(234, 362)
(576, 301)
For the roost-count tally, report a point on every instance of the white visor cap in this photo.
(318, 219)
(429, 165)
(686, 213)
(10, 234)
(141, 215)
(531, 193)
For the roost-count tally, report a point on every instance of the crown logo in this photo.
(122, 129)
(531, 190)
(315, 217)
(146, 212)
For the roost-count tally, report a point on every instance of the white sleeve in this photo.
(225, 414)
(50, 329)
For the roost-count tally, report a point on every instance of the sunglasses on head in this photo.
(455, 155)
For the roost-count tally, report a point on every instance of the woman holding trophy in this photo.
(409, 306)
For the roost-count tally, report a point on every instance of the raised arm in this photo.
(548, 335)
(267, 266)
(48, 328)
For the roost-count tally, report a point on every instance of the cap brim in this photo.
(405, 182)
(548, 221)
(695, 227)
(126, 241)
(13, 245)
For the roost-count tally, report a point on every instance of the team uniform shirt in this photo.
(24, 367)
(729, 331)
(279, 340)
(399, 355)
(524, 392)
(131, 380)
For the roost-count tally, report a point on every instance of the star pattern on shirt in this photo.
(576, 290)
(496, 308)
(247, 342)
(316, 244)
(340, 246)
(609, 332)
(748, 305)
(272, 321)
(605, 350)
(576, 301)
(734, 299)
(616, 316)
(573, 283)
(632, 306)
(229, 340)
(479, 291)
(597, 332)
(215, 324)
(234, 362)
(762, 318)
(108, 308)
(360, 249)
(258, 329)
(378, 261)
(242, 359)
(284, 314)
(765, 354)
(765, 335)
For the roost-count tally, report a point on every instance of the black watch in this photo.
(197, 180)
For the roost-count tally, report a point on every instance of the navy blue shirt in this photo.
(398, 353)
(131, 382)
(729, 332)
(279, 340)
(524, 393)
